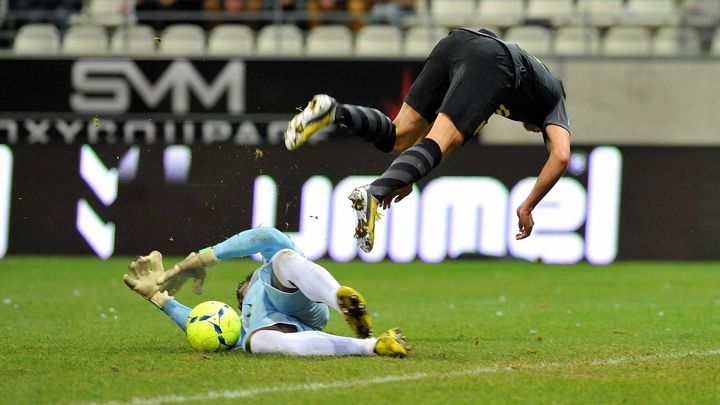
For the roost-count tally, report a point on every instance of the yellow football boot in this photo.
(354, 308)
(366, 210)
(392, 343)
(319, 114)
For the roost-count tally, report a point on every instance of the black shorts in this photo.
(465, 77)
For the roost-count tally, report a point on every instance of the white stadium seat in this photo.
(701, 13)
(601, 13)
(711, 7)
(420, 16)
(626, 41)
(453, 13)
(182, 40)
(280, 40)
(37, 39)
(231, 40)
(558, 12)
(111, 12)
(420, 40)
(651, 13)
(133, 40)
(85, 40)
(577, 40)
(533, 38)
(422, 7)
(378, 40)
(675, 41)
(501, 13)
(715, 46)
(705, 6)
(329, 40)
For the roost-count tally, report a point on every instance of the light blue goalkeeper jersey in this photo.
(263, 305)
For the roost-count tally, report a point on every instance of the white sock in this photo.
(310, 343)
(295, 271)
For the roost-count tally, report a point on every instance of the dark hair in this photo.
(240, 296)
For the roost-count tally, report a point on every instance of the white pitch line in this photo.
(317, 386)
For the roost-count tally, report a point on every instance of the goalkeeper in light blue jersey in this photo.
(284, 304)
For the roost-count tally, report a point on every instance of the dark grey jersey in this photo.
(538, 95)
(539, 98)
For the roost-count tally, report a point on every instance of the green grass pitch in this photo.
(482, 331)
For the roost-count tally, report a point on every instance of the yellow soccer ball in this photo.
(212, 326)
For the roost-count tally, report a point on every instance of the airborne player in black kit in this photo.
(468, 76)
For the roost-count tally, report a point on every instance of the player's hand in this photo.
(142, 277)
(190, 267)
(525, 223)
(397, 195)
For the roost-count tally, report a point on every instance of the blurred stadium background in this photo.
(116, 114)
(127, 126)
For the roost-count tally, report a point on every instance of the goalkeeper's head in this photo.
(242, 289)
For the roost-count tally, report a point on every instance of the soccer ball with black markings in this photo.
(212, 326)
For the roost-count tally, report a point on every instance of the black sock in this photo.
(409, 167)
(368, 124)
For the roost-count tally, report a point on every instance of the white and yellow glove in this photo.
(195, 266)
(142, 277)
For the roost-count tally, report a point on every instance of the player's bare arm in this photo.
(558, 145)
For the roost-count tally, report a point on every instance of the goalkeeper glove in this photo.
(195, 265)
(143, 275)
